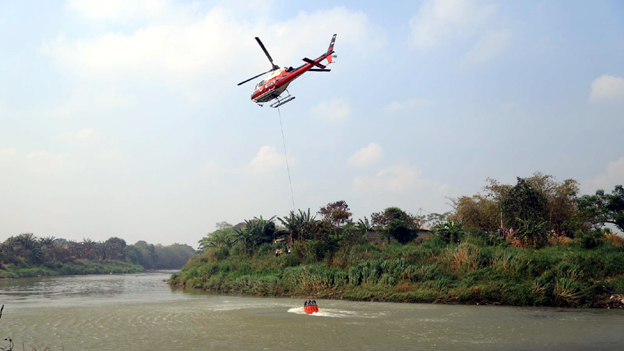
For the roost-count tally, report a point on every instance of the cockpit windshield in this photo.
(260, 83)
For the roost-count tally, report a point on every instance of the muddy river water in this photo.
(140, 312)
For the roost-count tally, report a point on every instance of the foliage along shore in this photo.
(26, 255)
(467, 260)
(77, 267)
(465, 273)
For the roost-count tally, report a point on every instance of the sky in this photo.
(124, 118)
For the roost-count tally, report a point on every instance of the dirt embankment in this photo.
(615, 301)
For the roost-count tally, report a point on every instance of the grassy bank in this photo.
(77, 267)
(467, 273)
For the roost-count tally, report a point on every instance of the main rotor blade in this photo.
(243, 82)
(319, 70)
(266, 53)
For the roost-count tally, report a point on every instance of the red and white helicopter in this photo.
(279, 79)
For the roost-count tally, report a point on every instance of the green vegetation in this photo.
(25, 255)
(558, 255)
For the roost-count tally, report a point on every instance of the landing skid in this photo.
(282, 101)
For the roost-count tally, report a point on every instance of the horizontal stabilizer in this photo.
(313, 63)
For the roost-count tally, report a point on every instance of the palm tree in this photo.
(47, 242)
(264, 230)
(532, 232)
(298, 225)
(218, 238)
(74, 249)
(364, 225)
(245, 237)
(26, 240)
(8, 245)
(451, 232)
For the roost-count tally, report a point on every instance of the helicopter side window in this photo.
(260, 84)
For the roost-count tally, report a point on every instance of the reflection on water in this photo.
(140, 312)
(88, 290)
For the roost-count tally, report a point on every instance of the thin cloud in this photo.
(268, 159)
(82, 101)
(45, 162)
(489, 45)
(398, 178)
(82, 136)
(334, 110)
(366, 156)
(440, 20)
(214, 43)
(111, 153)
(8, 151)
(400, 185)
(613, 175)
(118, 9)
(607, 88)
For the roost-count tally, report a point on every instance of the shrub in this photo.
(592, 239)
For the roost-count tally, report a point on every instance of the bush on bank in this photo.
(466, 273)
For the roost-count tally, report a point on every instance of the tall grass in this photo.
(470, 272)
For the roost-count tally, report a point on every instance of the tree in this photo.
(115, 240)
(298, 226)
(262, 230)
(525, 202)
(47, 242)
(218, 238)
(539, 196)
(143, 252)
(353, 234)
(245, 238)
(401, 231)
(397, 224)
(337, 213)
(25, 241)
(223, 225)
(477, 212)
(173, 256)
(604, 208)
(114, 248)
(449, 232)
(560, 199)
(364, 225)
(532, 232)
(256, 232)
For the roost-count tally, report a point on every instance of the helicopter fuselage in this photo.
(279, 78)
(277, 82)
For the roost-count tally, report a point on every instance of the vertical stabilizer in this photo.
(330, 50)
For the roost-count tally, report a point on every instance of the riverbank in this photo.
(78, 267)
(566, 275)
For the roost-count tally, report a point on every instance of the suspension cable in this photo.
(292, 196)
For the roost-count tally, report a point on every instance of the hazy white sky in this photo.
(123, 118)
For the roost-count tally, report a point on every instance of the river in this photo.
(140, 312)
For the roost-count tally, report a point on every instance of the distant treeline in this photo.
(25, 251)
